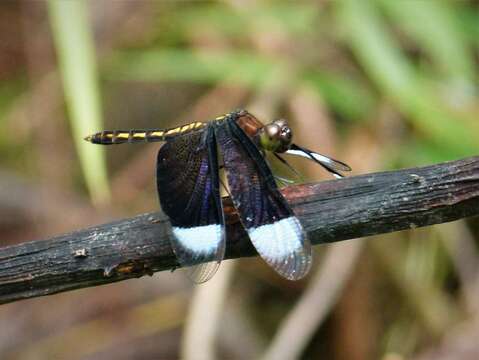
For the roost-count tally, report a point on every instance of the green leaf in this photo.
(434, 27)
(369, 38)
(291, 18)
(242, 68)
(74, 45)
(345, 95)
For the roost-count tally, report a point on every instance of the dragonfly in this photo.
(188, 183)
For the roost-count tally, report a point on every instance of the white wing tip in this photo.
(200, 249)
(199, 240)
(284, 246)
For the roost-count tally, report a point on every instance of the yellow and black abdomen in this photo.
(110, 137)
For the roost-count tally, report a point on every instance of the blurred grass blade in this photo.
(289, 17)
(345, 94)
(74, 44)
(243, 68)
(469, 23)
(434, 27)
(381, 58)
(432, 307)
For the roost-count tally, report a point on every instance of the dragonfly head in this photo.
(276, 136)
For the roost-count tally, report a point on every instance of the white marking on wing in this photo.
(199, 240)
(284, 246)
(200, 250)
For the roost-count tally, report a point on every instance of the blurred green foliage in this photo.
(428, 90)
(404, 74)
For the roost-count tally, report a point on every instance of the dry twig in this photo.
(330, 211)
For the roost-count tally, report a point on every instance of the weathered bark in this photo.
(330, 211)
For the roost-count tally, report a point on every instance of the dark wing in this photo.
(273, 228)
(188, 187)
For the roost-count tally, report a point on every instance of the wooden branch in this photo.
(330, 211)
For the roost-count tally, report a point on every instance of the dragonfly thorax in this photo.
(276, 136)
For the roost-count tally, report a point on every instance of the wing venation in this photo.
(188, 187)
(272, 227)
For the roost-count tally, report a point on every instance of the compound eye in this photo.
(276, 136)
(286, 136)
(286, 133)
(281, 123)
(270, 137)
(273, 132)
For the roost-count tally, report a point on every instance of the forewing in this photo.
(272, 227)
(188, 187)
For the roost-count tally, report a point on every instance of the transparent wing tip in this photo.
(201, 273)
(199, 250)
